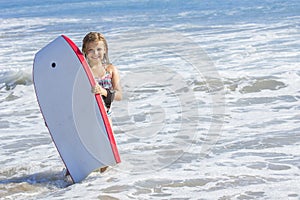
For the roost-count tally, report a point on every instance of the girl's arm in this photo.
(116, 83)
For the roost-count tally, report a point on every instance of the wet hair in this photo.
(95, 37)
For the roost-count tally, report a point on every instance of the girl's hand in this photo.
(96, 89)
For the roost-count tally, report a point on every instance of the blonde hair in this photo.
(95, 37)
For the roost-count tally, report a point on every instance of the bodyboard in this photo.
(76, 118)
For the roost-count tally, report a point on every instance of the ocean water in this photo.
(211, 106)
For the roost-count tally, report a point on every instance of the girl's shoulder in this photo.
(111, 68)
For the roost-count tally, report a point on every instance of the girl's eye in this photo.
(90, 51)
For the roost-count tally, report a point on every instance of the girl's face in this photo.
(95, 52)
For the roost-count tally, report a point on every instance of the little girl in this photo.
(95, 50)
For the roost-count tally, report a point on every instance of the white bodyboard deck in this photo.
(76, 118)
